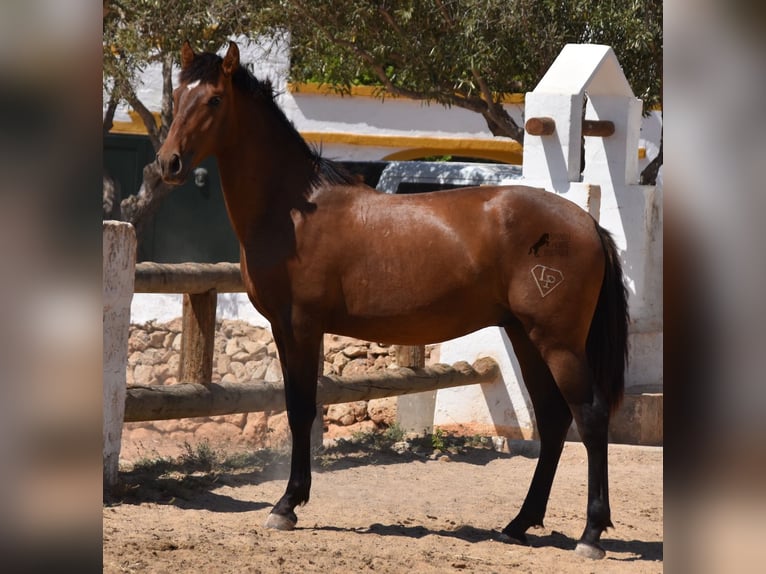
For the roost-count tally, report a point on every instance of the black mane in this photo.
(206, 67)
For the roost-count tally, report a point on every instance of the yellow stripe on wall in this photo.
(315, 89)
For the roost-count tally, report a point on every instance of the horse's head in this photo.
(202, 105)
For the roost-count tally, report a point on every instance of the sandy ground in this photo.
(379, 511)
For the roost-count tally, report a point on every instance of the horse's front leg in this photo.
(300, 363)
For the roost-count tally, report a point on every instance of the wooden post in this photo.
(597, 128)
(197, 337)
(540, 126)
(412, 357)
(544, 126)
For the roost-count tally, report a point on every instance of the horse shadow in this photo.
(195, 491)
(622, 550)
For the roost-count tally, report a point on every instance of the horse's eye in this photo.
(214, 101)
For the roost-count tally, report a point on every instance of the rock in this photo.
(339, 361)
(355, 351)
(157, 339)
(273, 372)
(143, 375)
(381, 362)
(356, 367)
(162, 372)
(337, 431)
(278, 431)
(216, 432)
(329, 369)
(257, 350)
(222, 364)
(400, 447)
(257, 369)
(238, 419)
(138, 341)
(378, 349)
(231, 347)
(382, 411)
(238, 369)
(342, 414)
(190, 424)
(256, 428)
(242, 357)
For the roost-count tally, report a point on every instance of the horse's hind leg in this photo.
(591, 414)
(300, 362)
(553, 419)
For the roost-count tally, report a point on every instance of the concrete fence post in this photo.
(119, 263)
(415, 412)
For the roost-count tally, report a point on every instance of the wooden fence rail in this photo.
(195, 278)
(161, 402)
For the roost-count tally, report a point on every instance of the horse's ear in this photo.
(231, 60)
(187, 55)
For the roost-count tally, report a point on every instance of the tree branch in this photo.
(111, 108)
(391, 22)
(445, 14)
(649, 175)
(166, 112)
(139, 208)
(146, 115)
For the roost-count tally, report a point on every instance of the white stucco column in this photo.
(119, 266)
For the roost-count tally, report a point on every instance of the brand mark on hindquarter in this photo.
(546, 278)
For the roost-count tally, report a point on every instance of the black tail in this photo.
(607, 345)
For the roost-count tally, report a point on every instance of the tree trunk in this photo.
(649, 175)
(140, 208)
(110, 197)
(500, 123)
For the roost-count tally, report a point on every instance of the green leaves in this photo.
(455, 52)
(140, 32)
(434, 48)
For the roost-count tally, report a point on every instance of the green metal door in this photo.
(191, 224)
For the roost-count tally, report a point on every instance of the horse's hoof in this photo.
(508, 539)
(279, 522)
(590, 551)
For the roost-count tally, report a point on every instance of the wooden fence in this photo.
(196, 395)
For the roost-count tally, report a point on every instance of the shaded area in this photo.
(188, 480)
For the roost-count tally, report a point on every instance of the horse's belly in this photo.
(440, 321)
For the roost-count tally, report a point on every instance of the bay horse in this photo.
(321, 252)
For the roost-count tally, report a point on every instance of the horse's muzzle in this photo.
(172, 168)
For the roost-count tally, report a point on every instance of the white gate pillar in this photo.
(119, 268)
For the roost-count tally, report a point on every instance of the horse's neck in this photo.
(259, 181)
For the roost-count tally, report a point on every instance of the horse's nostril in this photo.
(175, 164)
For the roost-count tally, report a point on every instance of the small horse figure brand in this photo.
(540, 243)
(321, 252)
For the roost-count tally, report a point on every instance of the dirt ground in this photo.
(378, 511)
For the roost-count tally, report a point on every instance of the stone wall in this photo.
(244, 352)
